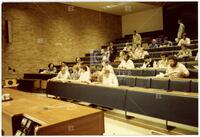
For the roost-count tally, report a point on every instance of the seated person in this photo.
(140, 52)
(106, 65)
(131, 54)
(148, 62)
(163, 63)
(185, 40)
(127, 47)
(84, 74)
(121, 55)
(153, 44)
(64, 65)
(105, 54)
(176, 69)
(63, 75)
(166, 43)
(96, 75)
(78, 63)
(126, 63)
(184, 52)
(109, 79)
(74, 73)
(51, 69)
(112, 49)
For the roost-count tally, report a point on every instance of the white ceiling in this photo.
(117, 8)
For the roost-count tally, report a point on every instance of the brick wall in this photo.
(52, 32)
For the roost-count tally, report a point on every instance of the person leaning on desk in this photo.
(51, 69)
(175, 69)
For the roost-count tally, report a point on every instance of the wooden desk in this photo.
(61, 118)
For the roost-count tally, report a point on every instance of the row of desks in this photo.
(171, 106)
(130, 72)
(177, 84)
(149, 72)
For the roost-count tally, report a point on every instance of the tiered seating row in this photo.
(184, 85)
(121, 46)
(171, 106)
(149, 72)
(156, 54)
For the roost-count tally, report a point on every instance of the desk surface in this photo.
(34, 106)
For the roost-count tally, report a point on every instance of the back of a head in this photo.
(84, 68)
(50, 65)
(146, 57)
(172, 57)
(184, 34)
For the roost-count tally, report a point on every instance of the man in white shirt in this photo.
(176, 69)
(139, 52)
(137, 39)
(185, 40)
(126, 63)
(106, 65)
(181, 30)
(84, 74)
(62, 76)
(184, 52)
(109, 79)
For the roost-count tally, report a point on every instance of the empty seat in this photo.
(125, 72)
(136, 72)
(160, 83)
(120, 80)
(158, 71)
(191, 64)
(193, 73)
(194, 86)
(148, 72)
(129, 81)
(194, 52)
(179, 85)
(138, 65)
(143, 82)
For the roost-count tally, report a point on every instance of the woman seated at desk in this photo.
(109, 79)
(51, 69)
(148, 62)
(62, 76)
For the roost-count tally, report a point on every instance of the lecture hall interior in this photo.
(99, 68)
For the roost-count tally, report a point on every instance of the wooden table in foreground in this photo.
(55, 117)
